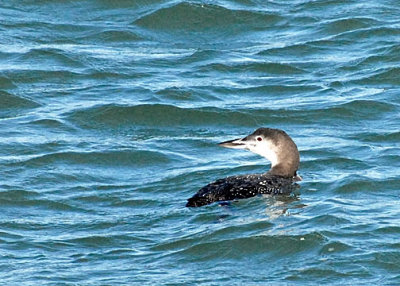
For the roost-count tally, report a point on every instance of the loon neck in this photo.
(284, 170)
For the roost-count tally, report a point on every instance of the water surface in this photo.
(110, 112)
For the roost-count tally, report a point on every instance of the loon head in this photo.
(273, 144)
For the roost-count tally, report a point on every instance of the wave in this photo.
(211, 247)
(356, 183)
(375, 137)
(175, 94)
(13, 105)
(35, 75)
(296, 50)
(348, 24)
(6, 83)
(336, 162)
(106, 158)
(18, 194)
(50, 57)
(383, 77)
(193, 17)
(377, 33)
(111, 36)
(8, 100)
(51, 124)
(162, 115)
(258, 67)
(24, 198)
(155, 115)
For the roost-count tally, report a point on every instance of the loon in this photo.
(273, 144)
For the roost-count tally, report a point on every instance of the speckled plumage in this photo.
(241, 187)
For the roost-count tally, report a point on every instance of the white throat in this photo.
(267, 149)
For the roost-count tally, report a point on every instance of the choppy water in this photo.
(110, 112)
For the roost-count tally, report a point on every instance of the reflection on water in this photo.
(277, 206)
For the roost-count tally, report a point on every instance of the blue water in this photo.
(110, 112)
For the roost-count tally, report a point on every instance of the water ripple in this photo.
(110, 115)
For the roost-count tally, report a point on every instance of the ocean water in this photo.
(110, 112)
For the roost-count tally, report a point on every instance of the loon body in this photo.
(273, 144)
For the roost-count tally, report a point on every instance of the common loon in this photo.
(273, 144)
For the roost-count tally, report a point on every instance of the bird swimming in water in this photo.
(273, 144)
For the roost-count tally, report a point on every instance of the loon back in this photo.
(241, 187)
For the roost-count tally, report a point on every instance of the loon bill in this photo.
(273, 144)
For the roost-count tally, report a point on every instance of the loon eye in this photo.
(259, 139)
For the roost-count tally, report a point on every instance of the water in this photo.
(110, 112)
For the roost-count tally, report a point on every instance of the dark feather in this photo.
(241, 187)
